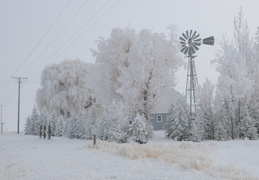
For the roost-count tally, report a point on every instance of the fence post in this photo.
(49, 131)
(44, 131)
(94, 139)
(40, 131)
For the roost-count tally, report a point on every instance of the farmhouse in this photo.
(159, 112)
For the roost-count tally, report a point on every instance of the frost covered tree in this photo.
(64, 88)
(111, 56)
(200, 123)
(220, 131)
(59, 127)
(152, 62)
(80, 131)
(114, 127)
(28, 126)
(221, 119)
(178, 126)
(247, 124)
(71, 127)
(138, 129)
(195, 131)
(253, 103)
(44, 117)
(53, 123)
(234, 82)
(205, 114)
(77, 127)
(132, 67)
(35, 121)
(92, 122)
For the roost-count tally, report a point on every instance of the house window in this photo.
(159, 118)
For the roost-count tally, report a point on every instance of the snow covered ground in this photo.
(31, 158)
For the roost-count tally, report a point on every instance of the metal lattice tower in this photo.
(191, 86)
(190, 43)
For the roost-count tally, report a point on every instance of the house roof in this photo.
(164, 100)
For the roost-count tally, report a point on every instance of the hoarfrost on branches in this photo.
(236, 83)
(178, 126)
(114, 127)
(138, 129)
(64, 88)
(132, 68)
(205, 112)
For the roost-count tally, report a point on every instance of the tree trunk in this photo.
(232, 127)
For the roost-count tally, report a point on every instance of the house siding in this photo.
(158, 125)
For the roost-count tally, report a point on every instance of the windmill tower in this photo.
(190, 42)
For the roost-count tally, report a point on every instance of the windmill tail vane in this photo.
(209, 40)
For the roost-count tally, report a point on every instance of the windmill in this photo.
(190, 42)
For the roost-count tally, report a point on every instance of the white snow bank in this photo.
(29, 158)
(240, 154)
(192, 156)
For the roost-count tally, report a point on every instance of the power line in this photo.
(4, 81)
(60, 32)
(78, 36)
(90, 27)
(8, 95)
(94, 23)
(35, 47)
(5, 91)
(27, 82)
(11, 97)
(42, 38)
(72, 35)
(13, 92)
(71, 44)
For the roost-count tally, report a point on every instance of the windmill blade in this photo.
(197, 43)
(186, 50)
(187, 34)
(209, 40)
(182, 42)
(190, 33)
(194, 34)
(192, 50)
(197, 40)
(195, 47)
(181, 38)
(184, 36)
(183, 49)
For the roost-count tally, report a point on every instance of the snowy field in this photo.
(31, 158)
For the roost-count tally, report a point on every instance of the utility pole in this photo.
(2, 124)
(19, 88)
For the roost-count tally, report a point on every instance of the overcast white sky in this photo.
(24, 23)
